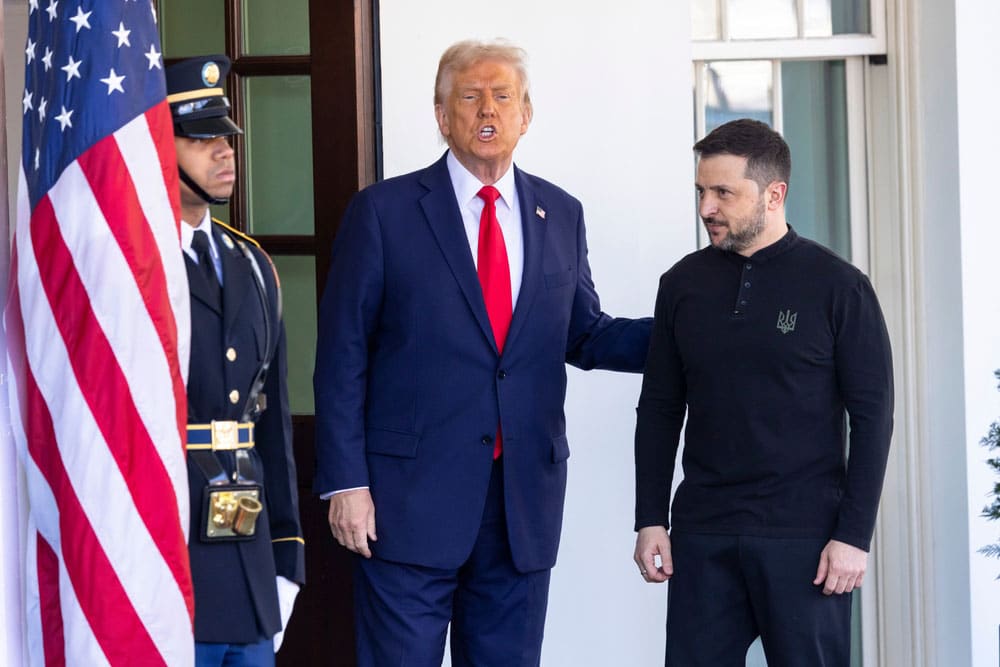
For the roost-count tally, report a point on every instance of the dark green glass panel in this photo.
(824, 18)
(298, 290)
(815, 127)
(278, 144)
(276, 27)
(191, 27)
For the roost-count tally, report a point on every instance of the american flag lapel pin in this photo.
(540, 212)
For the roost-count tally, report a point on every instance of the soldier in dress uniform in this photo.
(245, 542)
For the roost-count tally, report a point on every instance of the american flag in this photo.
(98, 328)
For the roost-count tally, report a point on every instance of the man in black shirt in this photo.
(766, 341)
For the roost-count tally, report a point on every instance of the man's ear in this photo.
(442, 119)
(775, 193)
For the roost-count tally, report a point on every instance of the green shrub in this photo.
(992, 511)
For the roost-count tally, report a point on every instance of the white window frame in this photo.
(801, 47)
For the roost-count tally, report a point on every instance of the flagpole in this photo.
(13, 502)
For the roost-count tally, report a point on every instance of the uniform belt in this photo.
(220, 436)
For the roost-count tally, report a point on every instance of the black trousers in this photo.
(727, 590)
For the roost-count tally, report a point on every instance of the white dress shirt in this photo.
(187, 235)
(466, 187)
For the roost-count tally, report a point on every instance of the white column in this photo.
(934, 245)
(978, 103)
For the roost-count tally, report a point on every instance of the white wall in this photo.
(977, 54)
(941, 382)
(611, 87)
(953, 146)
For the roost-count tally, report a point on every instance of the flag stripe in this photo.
(101, 329)
(48, 587)
(99, 438)
(90, 356)
(97, 587)
(155, 183)
(117, 199)
(157, 189)
(161, 128)
(118, 206)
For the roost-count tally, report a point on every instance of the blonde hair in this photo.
(466, 53)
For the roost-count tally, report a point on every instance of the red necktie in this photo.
(494, 276)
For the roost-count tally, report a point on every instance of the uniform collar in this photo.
(187, 235)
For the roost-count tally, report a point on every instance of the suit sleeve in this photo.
(659, 418)
(348, 315)
(597, 340)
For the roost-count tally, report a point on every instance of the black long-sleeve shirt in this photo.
(766, 354)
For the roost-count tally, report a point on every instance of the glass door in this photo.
(303, 87)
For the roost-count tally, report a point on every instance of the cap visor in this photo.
(207, 128)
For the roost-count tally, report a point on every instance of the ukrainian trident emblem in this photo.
(786, 321)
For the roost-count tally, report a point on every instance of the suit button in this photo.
(234, 397)
(231, 354)
(502, 374)
(487, 440)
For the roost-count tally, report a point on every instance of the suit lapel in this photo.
(533, 229)
(445, 220)
(236, 278)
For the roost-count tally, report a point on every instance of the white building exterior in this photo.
(612, 88)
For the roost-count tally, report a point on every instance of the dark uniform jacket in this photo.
(234, 582)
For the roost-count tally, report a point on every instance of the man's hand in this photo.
(651, 542)
(352, 520)
(841, 568)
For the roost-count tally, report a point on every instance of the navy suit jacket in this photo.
(235, 595)
(410, 386)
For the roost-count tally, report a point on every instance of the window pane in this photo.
(278, 128)
(762, 19)
(737, 89)
(815, 127)
(825, 18)
(276, 27)
(298, 292)
(705, 19)
(191, 28)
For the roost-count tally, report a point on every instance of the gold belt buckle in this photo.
(225, 435)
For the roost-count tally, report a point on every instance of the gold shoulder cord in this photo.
(241, 235)
(235, 231)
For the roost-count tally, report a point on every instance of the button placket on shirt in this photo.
(743, 295)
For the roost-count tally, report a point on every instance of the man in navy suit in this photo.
(246, 573)
(456, 296)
